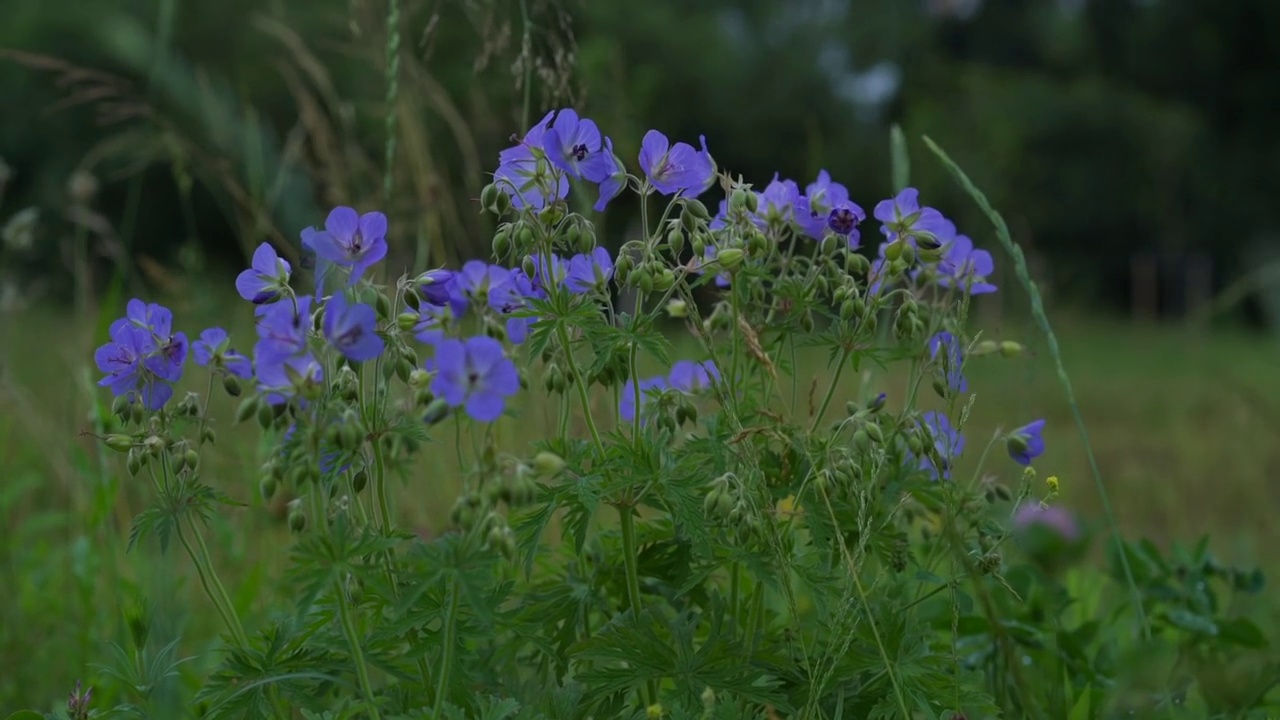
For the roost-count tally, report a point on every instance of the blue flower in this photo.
(690, 377)
(283, 327)
(586, 273)
(952, 360)
(826, 205)
(214, 348)
(280, 376)
(777, 204)
(352, 329)
(266, 278)
(475, 374)
(434, 285)
(144, 355)
(433, 323)
(606, 170)
(478, 283)
(525, 173)
(676, 168)
(570, 141)
(350, 240)
(903, 216)
(648, 388)
(948, 444)
(1026, 443)
(966, 268)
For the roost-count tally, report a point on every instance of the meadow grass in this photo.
(1181, 425)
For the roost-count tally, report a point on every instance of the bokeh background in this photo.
(149, 145)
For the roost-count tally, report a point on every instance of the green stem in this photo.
(735, 580)
(446, 659)
(831, 389)
(380, 487)
(357, 654)
(629, 560)
(212, 585)
(578, 382)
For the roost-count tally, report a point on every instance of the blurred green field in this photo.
(1182, 424)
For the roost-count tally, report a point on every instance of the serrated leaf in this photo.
(1192, 622)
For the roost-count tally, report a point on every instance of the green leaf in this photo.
(901, 159)
(1081, 710)
(25, 715)
(1242, 631)
(1192, 622)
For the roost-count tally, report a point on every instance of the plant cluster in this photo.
(704, 532)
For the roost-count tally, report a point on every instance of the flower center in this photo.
(580, 152)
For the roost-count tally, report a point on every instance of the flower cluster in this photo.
(686, 377)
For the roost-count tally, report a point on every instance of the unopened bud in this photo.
(729, 258)
(1009, 348)
(437, 411)
(268, 486)
(360, 481)
(406, 321)
(119, 443)
(678, 309)
(192, 459)
(134, 463)
(297, 521)
(247, 408)
(548, 464)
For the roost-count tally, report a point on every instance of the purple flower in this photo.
(1026, 443)
(480, 284)
(548, 273)
(525, 173)
(675, 168)
(878, 276)
(606, 170)
(952, 360)
(570, 141)
(513, 298)
(475, 373)
(903, 217)
(844, 219)
(214, 347)
(350, 240)
(777, 204)
(648, 388)
(282, 329)
(690, 377)
(434, 285)
(433, 321)
(1056, 519)
(167, 350)
(280, 376)
(825, 205)
(948, 444)
(266, 278)
(585, 273)
(966, 267)
(352, 329)
(123, 359)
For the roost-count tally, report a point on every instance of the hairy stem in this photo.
(831, 389)
(212, 585)
(446, 657)
(357, 654)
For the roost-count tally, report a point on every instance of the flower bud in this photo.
(548, 464)
(874, 432)
(831, 244)
(688, 222)
(654, 711)
(404, 368)
(266, 416)
(489, 198)
(729, 258)
(134, 463)
(192, 459)
(437, 411)
(806, 321)
(985, 347)
(383, 305)
(1009, 349)
(862, 440)
(120, 407)
(697, 209)
(622, 268)
(247, 408)
(757, 243)
(297, 520)
(848, 310)
(268, 486)
(119, 443)
(524, 236)
(664, 280)
(1017, 445)
(412, 299)
(406, 321)
(675, 241)
(678, 309)
(501, 244)
(893, 250)
(585, 240)
(753, 202)
(857, 264)
(908, 254)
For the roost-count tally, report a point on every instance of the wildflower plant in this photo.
(735, 537)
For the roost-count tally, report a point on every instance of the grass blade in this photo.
(1037, 311)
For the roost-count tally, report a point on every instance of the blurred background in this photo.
(149, 145)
